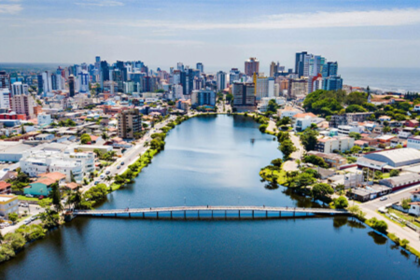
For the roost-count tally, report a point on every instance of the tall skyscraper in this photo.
(299, 63)
(18, 89)
(200, 67)
(274, 68)
(46, 82)
(252, 65)
(243, 94)
(332, 83)
(23, 104)
(4, 80)
(72, 86)
(330, 69)
(221, 80)
(234, 75)
(180, 66)
(83, 81)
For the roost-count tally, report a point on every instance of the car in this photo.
(119, 166)
(27, 221)
(33, 218)
(383, 198)
(41, 197)
(107, 172)
(102, 176)
(96, 182)
(122, 163)
(29, 195)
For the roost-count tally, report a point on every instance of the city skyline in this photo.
(218, 34)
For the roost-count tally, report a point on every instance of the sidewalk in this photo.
(291, 165)
(400, 232)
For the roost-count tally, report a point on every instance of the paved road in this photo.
(130, 156)
(392, 198)
(31, 211)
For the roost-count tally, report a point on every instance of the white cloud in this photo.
(396, 17)
(101, 3)
(11, 9)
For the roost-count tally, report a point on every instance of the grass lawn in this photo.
(281, 175)
(386, 175)
(22, 197)
(404, 216)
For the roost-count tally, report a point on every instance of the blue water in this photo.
(210, 160)
(386, 79)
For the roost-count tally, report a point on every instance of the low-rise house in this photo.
(412, 123)
(55, 176)
(39, 187)
(402, 181)
(5, 187)
(44, 137)
(72, 186)
(415, 195)
(8, 204)
(398, 141)
(333, 160)
(385, 139)
(329, 145)
(368, 192)
(414, 208)
(413, 142)
(384, 118)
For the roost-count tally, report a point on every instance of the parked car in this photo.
(107, 172)
(102, 176)
(29, 195)
(96, 182)
(122, 163)
(383, 198)
(41, 197)
(119, 166)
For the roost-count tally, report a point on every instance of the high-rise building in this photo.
(83, 81)
(297, 87)
(299, 63)
(23, 104)
(234, 75)
(203, 97)
(243, 94)
(274, 68)
(332, 83)
(4, 79)
(261, 87)
(330, 69)
(46, 82)
(18, 89)
(4, 98)
(72, 86)
(180, 66)
(200, 67)
(221, 80)
(129, 123)
(252, 65)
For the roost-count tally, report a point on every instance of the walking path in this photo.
(291, 165)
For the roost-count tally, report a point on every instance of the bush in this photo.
(263, 127)
(6, 252)
(378, 225)
(341, 202)
(16, 240)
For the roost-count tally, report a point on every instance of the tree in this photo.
(379, 225)
(16, 240)
(229, 97)
(287, 148)
(284, 121)
(321, 190)
(386, 129)
(315, 160)
(85, 138)
(72, 179)
(355, 150)
(56, 196)
(355, 135)
(272, 106)
(13, 217)
(405, 203)
(309, 139)
(394, 172)
(277, 162)
(263, 127)
(104, 135)
(281, 136)
(341, 202)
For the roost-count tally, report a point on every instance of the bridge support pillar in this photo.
(198, 214)
(294, 213)
(143, 215)
(253, 214)
(185, 215)
(115, 214)
(279, 214)
(239, 214)
(171, 215)
(212, 214)
(129, 215)
(157, 215)
(225, 214)
(266, 214)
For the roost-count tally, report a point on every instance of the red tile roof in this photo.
(56, 176)
(4, 185)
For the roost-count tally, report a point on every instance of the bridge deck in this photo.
(157, 210)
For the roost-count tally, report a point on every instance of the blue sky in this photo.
(221, 34)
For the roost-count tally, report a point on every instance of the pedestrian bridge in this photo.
(211, 212)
